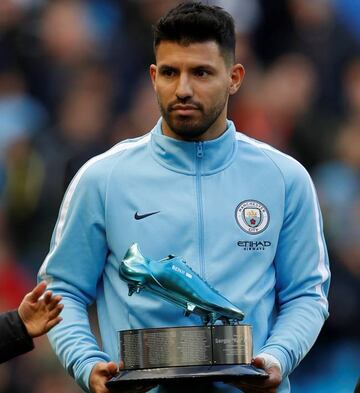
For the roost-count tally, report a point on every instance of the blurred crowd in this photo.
(74, 81)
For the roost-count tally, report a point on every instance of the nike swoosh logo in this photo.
(141, 216)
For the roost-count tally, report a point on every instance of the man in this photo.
(34, 317)
(243, 215)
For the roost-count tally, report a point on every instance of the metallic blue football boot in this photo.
(172, 279)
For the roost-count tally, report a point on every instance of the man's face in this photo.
(192, 85)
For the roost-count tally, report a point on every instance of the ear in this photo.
(152, 71)
(237, 74)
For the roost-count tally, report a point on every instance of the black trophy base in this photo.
(128, 379)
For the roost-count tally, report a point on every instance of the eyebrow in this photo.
(166, 67)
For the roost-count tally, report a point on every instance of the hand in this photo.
(102, 372)
(269, 385)
(40, 315)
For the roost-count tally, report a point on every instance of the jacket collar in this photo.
(193, 158)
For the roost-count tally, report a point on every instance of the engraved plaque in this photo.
(166, 347)
(232, 344)
(186, 346)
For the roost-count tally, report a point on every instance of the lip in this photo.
(179, 107)
(184, 109)
(184, 112)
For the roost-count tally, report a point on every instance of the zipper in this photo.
(199, 156)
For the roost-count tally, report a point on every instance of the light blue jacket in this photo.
(242, 214)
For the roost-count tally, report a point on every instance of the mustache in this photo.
(172, 105)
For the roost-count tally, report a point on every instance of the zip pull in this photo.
(200, 151)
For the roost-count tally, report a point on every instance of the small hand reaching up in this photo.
(40, 314)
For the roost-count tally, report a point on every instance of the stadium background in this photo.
(74, 81)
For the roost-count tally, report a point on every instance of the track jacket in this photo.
(242, 214)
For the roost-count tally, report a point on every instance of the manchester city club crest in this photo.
(252, 216)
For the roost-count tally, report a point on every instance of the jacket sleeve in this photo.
(73, 268)
(302, 273)
(14, 338)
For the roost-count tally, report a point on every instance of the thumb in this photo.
(112, 368)
(258, 362)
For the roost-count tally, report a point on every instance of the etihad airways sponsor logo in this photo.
(249, 245)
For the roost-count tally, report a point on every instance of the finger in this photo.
(53, 322)
(259, 363)
(112, 369)
(106, 370)
(54, 302)
(35, 294)
(56, 311)
(48, 297)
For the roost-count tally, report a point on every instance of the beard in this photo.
(188, 127)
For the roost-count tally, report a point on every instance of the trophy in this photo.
(218, 350)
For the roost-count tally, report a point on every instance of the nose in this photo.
(183, 88)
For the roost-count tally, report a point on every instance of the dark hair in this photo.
(196, 22)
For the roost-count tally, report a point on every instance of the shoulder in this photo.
(105, 160)
(288, 167)
(97, 169)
